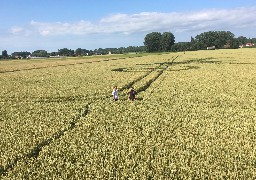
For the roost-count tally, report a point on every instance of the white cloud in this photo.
(21, 31)
(152, 21)
(59, 28)
(17, 30)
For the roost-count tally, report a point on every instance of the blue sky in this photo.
(29, 25)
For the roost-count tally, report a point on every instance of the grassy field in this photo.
(194, 117)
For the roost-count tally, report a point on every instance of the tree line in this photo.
(72, 53)
(153, 42)
(156, 41)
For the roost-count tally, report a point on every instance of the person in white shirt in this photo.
(115, 93)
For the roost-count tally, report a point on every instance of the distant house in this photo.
(249, 44)
(226, 46)
(211, 48)
(35, 57)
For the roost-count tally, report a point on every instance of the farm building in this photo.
(249, 44)
(211, 48)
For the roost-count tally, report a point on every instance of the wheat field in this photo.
(194, 117)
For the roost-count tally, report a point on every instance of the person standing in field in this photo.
(132, 94)
(115, 93)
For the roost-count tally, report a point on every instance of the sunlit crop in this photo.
(194, 118)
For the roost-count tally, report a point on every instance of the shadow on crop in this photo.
(185, 68)
(142, 69)
(139, 99)
(243, 63)
(200, 61)
(120, 69)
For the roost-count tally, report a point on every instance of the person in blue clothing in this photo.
(115, 93)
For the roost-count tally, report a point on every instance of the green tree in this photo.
(152, 41)
(242, 40)
(40, 53)
(156, 41)
(54, 54)
(219, 39)
(181, 46)
(4, 54)
(21, 55)
(167, 40)
(235, 43)
(81, 52)
(66, 52)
